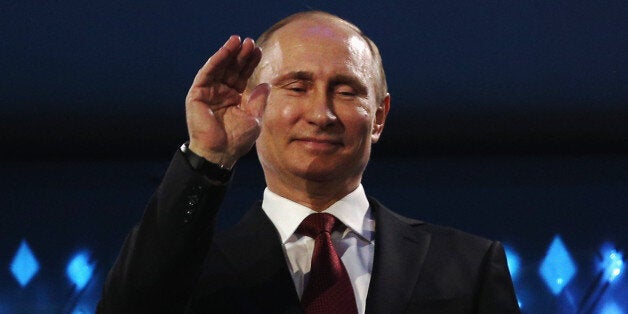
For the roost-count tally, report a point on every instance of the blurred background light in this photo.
(612, 264)
(557, 267)
(514, 261)
(611, 308)
(79, 311)
(80, 270)
(24, 265)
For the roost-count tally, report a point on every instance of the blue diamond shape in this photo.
(79, 270)
(24, 265)
(557, 268)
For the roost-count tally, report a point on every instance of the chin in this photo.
(327, 170)
(319, 176)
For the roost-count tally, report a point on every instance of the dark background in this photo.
(509, 119)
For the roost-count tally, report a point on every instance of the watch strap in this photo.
(209, 169)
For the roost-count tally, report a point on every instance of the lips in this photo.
(318, 144)
(320, 140)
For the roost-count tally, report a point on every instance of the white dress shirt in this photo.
(355, 245)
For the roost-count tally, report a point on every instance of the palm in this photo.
(221, 127)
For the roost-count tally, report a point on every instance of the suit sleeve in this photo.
(162, 256)
(497, 294)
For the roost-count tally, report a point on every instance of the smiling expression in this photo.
(322, 113)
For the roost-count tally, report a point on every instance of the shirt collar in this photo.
(353, 211)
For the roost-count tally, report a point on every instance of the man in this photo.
(313, 103)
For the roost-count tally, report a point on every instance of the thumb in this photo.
(257, 100)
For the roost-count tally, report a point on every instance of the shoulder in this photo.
(455, 246)
(448, 238)
(453, 236)
(453, 269)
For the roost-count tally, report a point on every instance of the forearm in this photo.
(162, 256)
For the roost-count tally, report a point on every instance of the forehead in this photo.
(320, 42)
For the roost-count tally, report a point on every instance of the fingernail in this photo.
(231, 38)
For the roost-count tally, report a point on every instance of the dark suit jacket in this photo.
(172, 262)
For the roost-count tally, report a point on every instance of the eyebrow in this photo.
(294, 75)
(335, 80)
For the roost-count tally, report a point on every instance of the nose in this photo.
(320, 110)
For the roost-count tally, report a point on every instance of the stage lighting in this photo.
(613, 265)
(79, 269)
(513, 260)
(611, 308)
(24, 265)
(558, 267)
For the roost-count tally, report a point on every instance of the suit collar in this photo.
(352, 210)
(254, 249)
(400, 249)
(252, 239)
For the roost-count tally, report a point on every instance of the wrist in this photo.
(221, 159)
(212, 170)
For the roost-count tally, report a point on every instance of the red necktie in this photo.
(329, 289)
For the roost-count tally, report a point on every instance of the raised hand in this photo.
(223, 123)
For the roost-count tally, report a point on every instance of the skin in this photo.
(313, 118)
(222, 125)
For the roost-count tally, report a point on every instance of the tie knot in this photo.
(315, 224)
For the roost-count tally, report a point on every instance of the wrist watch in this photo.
(209, 169)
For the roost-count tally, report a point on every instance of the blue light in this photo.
(79, 269)
(24, 265)
(612, 264)
(513, 261)
(79, 311)
(611, 308)
(557, 268)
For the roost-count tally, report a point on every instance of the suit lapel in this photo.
(399, 253)
(253, 248)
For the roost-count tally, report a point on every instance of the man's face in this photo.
(322, 113)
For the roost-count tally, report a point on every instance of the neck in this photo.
(315, 195)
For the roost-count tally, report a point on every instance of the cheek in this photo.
(361, 118)
(358, 125)
(278, 113)
(363, 112)
(288, 113)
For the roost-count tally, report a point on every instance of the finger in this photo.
(217, 64)
(216, 97)
(232, 74)
(230, 49)
(254, 60)
(247, 70)
(248, 45)
(256, 103)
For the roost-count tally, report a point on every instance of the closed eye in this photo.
(297, 87)
(345, 91)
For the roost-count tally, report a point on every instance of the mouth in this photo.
(322, 140)
(319, 143)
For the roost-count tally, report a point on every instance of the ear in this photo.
(380, 118)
